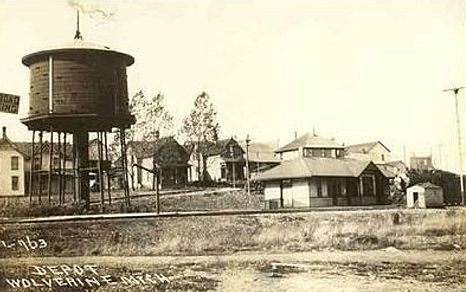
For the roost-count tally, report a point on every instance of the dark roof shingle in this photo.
(142, 149)
(259, 152)
(364, 147)
(309, 140)
(308, 167)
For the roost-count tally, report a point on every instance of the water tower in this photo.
(76, 89)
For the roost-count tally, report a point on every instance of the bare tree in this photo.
(201, 128)
(152, 119)
(135, 107)
(155, 119)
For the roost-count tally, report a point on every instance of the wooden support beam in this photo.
(75, 171)
(60, 190)
(41, 134)
(99, 169)
(49, 186)
(64, 166)
(107, 171)
(124, 161)
(31, 172)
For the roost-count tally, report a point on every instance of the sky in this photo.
(355, 70)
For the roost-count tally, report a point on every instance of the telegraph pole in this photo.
(455, 91)
(439, 149)
(248, 183)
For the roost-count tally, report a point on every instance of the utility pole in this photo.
(405, 159)
(248, 183)
(157, 172)
(455, 91)
(439, 148)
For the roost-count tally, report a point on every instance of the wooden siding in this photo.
(6, 173)
(82, 84)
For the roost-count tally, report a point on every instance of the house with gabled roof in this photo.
(220, 161)
(321, 181)
(13, 167)
(60, 163)
(61, 160)
(165, 156)
(370, 151)
(260, 156)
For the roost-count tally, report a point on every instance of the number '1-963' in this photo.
(27, 243)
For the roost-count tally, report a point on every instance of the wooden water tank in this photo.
(78, 87)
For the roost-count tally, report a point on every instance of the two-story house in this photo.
(13, 167)
(370, 151)
(59, 167)
(165, 157)
(56, 169)
(221, 161)
(260, 157)
(421, 163)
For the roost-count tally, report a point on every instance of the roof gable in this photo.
(144, 149)
(364, 147)
(309, 167)
(215, 148)
(385, 169)
(426, 185)
(259, 152)
(46, 148)
(309, 140)
(6, 143)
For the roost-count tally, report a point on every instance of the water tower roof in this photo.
(77, 45)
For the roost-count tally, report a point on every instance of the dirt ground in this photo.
(377, 270)
(422, 250)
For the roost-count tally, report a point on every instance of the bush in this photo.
(19, 207)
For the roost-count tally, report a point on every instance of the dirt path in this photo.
(371, 256)
(375, 270)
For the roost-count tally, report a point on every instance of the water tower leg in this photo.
(82, 165)
(124, 160)
(49, 184)
(41, 146)
(64, 167)
(107, 171)
(100, 171)
(75, 169)
(60, 185)
(31, 171)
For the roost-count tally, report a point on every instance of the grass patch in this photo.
(342, 230)
(212, 201)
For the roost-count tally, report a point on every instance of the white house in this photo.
(320, 181)
(424, 195)
(222, 161)
(12, 167)
(371, 151)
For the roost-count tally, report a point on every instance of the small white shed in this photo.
(424, 195)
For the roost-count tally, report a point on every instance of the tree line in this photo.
(153, 120)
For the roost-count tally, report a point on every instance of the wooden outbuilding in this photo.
(424, 195)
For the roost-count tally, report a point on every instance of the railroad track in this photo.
(128, 216)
